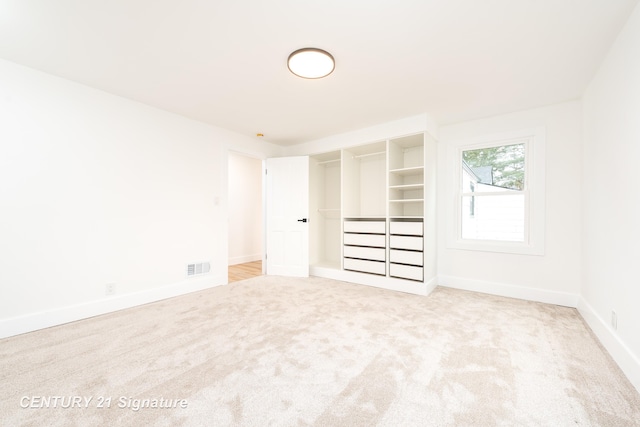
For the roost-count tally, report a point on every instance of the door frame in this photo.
(263, 184)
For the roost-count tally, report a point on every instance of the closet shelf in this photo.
(328, 161)
(407, 187)
(378, 153)
(406, 200)
(365, 217)
(408, 171)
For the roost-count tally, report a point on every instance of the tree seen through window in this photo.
(506, 164)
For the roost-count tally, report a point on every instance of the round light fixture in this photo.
(311, 63)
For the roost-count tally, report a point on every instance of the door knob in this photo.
(302, 220)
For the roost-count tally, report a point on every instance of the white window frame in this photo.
(534, 192)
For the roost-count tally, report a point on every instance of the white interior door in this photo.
(287, 216)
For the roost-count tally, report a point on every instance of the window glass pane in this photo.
(494, 168)
(499, 217)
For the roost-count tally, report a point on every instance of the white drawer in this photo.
(406, 257)
(374, 267)
(410, 228)
(406, 272)
(405, 242)
(376, 240)
(365, 227)
(377, 254)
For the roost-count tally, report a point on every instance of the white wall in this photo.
(405, 126)
(554, 277)
(97, 189)
(245, 209)
(612, 200)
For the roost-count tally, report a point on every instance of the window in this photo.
(493, 192)
(499, 193)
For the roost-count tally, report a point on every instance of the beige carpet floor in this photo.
(273, 351)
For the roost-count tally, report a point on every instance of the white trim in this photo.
(512, 291)
(534, 243)
(621, 354)
(58, 316)
(384, 282)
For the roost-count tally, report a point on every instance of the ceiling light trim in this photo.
(311, 63)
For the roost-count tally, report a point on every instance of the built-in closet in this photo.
(372, 213)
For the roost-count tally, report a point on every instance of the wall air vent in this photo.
(198, 269)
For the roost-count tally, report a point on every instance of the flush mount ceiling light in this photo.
(311, 63)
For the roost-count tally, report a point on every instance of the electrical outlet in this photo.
(614, 320)
(110, 289)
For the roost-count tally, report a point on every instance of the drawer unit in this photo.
(365, 266)
(376, 254)
(413, 243)
(365, 246)
(406, 228)
(406, 257)
(406, 249)
(375, 240)
(406, 272)
(376, 227)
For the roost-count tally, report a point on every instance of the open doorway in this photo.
(245, 217)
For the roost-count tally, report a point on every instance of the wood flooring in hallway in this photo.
(245, 271)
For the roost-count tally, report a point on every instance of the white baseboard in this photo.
(431, 284)
(626, 360)
(58, 316)
(512, 291)
(390, 283)
(245, 258)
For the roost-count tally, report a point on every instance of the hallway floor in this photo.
(245, 271)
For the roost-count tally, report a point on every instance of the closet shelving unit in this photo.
(325, 210)
(406, 177)
(373, 210)
(364, 180)
(406, 207)
(364, 222)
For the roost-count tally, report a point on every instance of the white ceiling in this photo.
(224, 62)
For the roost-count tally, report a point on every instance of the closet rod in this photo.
(370, 154)
(328, 161)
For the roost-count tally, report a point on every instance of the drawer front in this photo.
(377, 254)
(374, 267)
(376, 240)
(365, 227)
(406, 272)
(405, 242)
(410, 228)
(406, 257)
